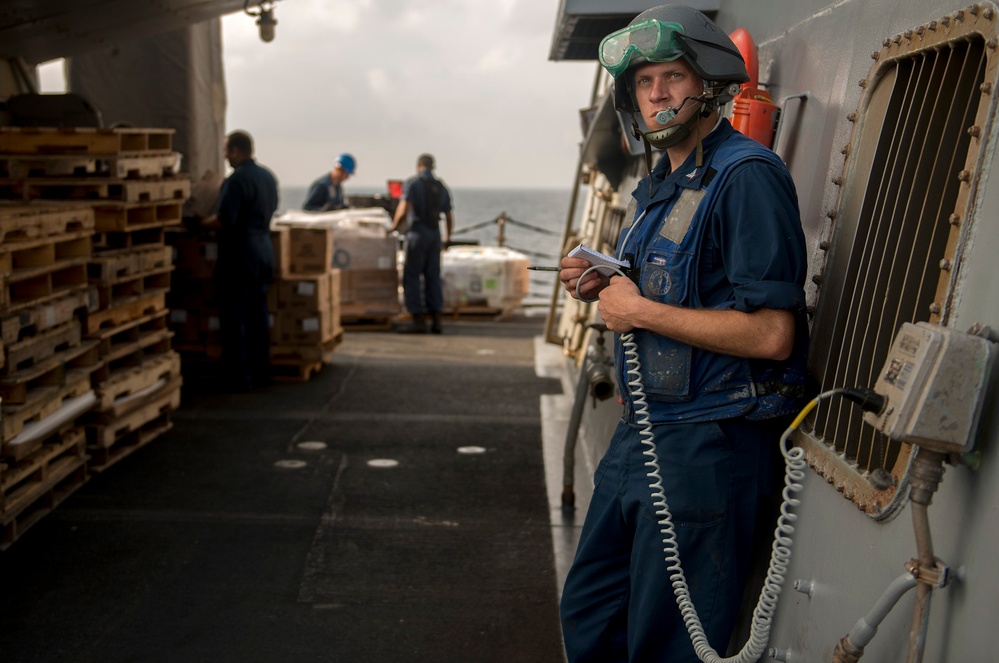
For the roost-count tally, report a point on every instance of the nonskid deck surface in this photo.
(391, 509)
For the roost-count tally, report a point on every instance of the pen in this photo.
(539, 268)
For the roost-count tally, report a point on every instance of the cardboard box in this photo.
(297, 327)
(369, 292)
(282, 251)
(305, 292)
(310, 250)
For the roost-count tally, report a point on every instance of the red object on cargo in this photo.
(395, 188)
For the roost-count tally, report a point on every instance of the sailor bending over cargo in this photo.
(715, 303)
(326, 193)
(424, 199)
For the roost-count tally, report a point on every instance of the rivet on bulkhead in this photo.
(955, 219)
(852, 117)
(846, 150)
(973, 10)
(964, 175)
(907, 34)
(817, 279)
(932, 25)
(838, 181)
(886, 43)
(935, 308)
(875, 55)
(824, 245)
(920, 30)
(945, 265)
(862, 82)
(831, 214)
(988, 13)
(992, 43)
(945, 21)
(986, 88)
(975, 131)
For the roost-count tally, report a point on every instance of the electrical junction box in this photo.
(934, 381)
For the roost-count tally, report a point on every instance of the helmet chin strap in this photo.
(667, 137)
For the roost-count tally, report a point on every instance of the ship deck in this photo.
(393, 508)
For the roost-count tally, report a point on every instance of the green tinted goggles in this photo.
(652, 39)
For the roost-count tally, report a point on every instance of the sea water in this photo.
(537, 218)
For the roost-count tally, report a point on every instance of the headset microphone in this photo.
(664, 116)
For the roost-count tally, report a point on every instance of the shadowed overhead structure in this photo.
(42, 30)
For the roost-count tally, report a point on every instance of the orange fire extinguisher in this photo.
(753, 112)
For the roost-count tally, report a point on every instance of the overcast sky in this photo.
(467, 80)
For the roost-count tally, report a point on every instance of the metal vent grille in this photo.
(897, 234)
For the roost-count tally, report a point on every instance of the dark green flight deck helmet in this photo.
(664, 34)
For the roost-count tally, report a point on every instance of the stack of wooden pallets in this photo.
(128, 182)
(47, 363)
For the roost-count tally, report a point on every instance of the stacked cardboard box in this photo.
(194, 316)
(366, 257)
(304, 302)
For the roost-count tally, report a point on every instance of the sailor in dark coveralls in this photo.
(717, 307)
(424, 199)
(245, 267)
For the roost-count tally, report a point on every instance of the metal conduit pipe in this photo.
(851, 646)
(924, 573)
(927, 472)
(595, 379)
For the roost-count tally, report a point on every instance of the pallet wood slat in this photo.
(22, 222)
(85, 140)
(95, 188)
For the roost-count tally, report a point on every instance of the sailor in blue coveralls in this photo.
(424, 199)
(245, 267)
(717, 307)
(326, 193)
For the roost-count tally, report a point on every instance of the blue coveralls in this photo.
(244, 270)
(324, 195)
(421, 273)
(725, 235)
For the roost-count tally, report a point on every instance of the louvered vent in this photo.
(906, 194)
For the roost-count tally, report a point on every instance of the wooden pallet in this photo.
(125, 311)
(368, 322)
(115, 264)
(134, 237)
(33, 319)
(35, 486)
(33, 350)
(301, 363)
(21, 222)
(73, 165)
(85, 140)
(109, 442)
(44, 401)
(96, 188)
(19, 387)
(111, 216)
(127, 382)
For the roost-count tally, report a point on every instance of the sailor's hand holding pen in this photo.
(571, 271)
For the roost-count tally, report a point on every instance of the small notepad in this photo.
(599, 260)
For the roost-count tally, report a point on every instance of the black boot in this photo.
(435, 325)
(418, 326)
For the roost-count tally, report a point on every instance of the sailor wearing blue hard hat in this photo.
(326, 193)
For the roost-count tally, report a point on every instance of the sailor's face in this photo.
(663, 86)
